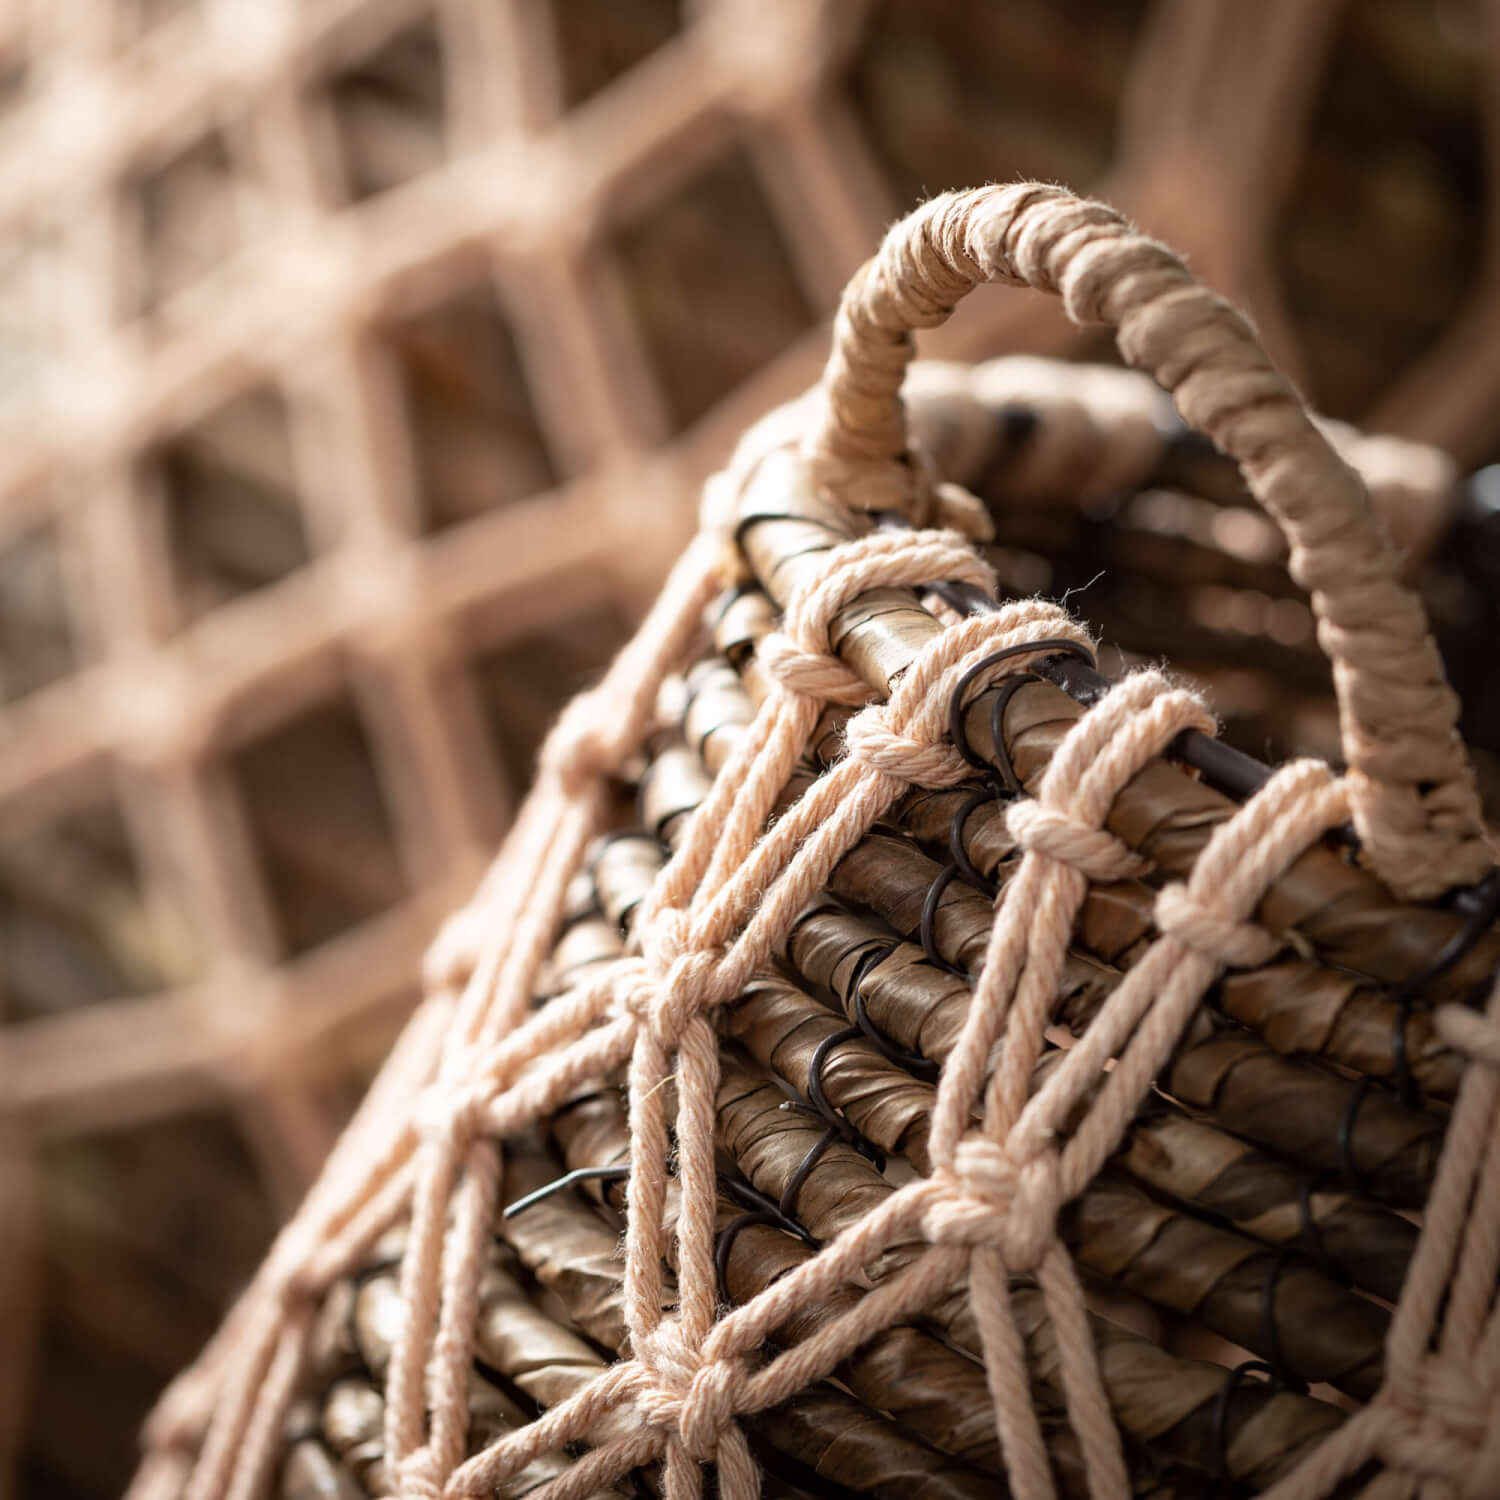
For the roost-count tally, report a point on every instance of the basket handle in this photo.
(1412, 790)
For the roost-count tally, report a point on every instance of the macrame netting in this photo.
(478, 1064)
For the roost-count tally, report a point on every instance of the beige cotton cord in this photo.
(479, 1064)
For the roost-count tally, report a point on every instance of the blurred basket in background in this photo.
(341, 339)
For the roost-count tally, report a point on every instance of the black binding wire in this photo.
(1005, 691)
(1408, 1091)
(1354, 1179)
(815, 1153)
(759, 1209)
(976, 799)
(830, 1113)
(568, 1179)
(1270, 1331)
(1308, 1232)
(777, 1213)
(1480, 906)
(914, 1063)
(837, 1127)
(927, 931)
(956, 727)
(1220, 1434)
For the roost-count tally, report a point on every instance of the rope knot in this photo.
(1443, 1410)
(800, 655)
(1094, 852)
(683, 978)
(685, 1393)
(878, 738)
(815, 674)
(988, 1199)
(1198, 925)
(451, 956)
(417, 1477)
(451, 1115)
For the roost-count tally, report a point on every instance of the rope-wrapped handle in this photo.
(1414, 800)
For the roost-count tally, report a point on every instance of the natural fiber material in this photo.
(1015, 1139)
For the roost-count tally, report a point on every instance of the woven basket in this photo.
(1001, 1084)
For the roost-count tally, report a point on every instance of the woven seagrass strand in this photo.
(481, 1069)
(1412, 791)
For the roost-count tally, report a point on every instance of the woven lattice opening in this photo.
(226, 494)
(318, 772)
(673, 258)
(179, 1255)
(1408, 186)
(389, 111)
(518, 683)
(35, 633)
(186, 221)
(952, 98)
(476, 437)
(79, 926)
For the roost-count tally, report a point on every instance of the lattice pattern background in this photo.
(359, 360)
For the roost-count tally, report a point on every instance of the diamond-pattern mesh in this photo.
(358, 363)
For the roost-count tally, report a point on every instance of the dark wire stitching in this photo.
(1220, 1436)
(1313, 1244)
(959, 850)
(1408, 1091)
(1484, 907)
(920, 1067)
(927, 930)
(1007, 690)
(1354, 1179)
(817, 1095)
(957, 730)
(568, 1179)
(1481, 907)
(777, 1213)
(760, 1209)
(1270, 1330)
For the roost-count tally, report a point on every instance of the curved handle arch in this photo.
(1412, 789)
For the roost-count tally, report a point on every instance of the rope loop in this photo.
(583, 747)
(876, 739)
(681, 979)
(814, 674)
(1413, 794)
(800, 655)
